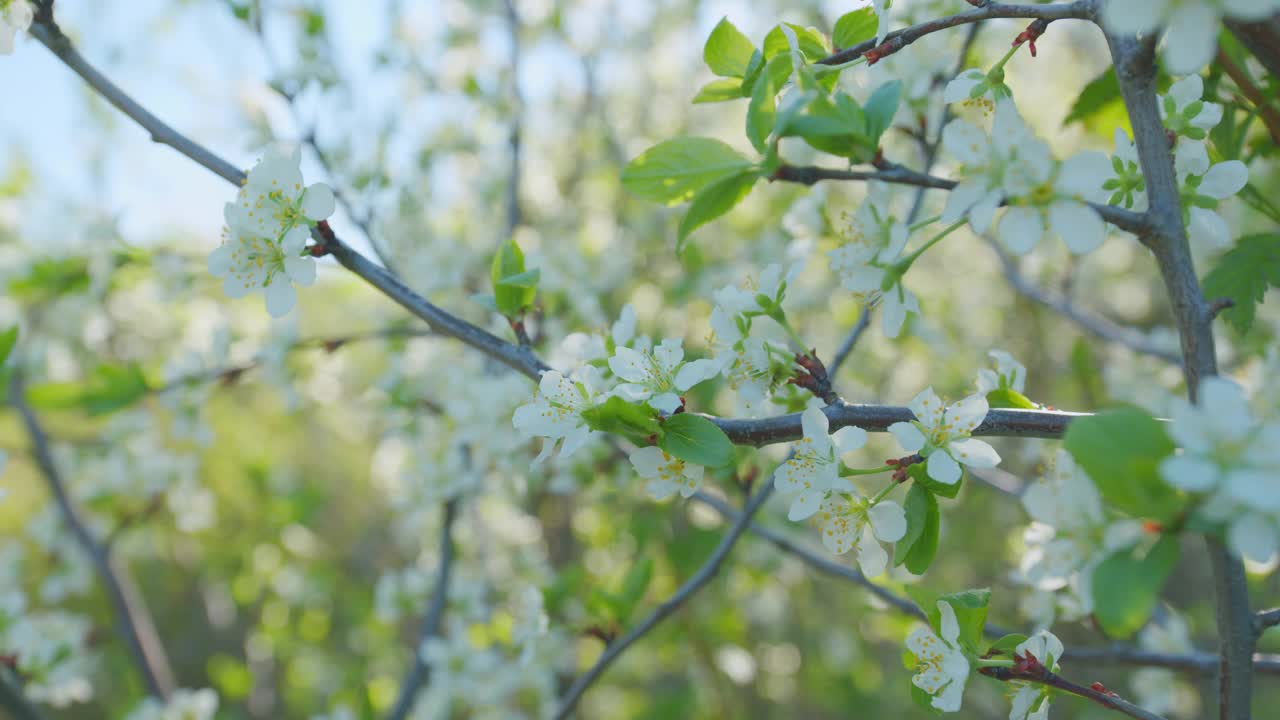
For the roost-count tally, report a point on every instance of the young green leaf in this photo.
(8, 339)
(1127, 585)
(108, 389)
(695, 439)
(855, 27)
(1101, 91)
(728, 51)
(925, 546)
(635, 421)
(1243, 274)
(716, 200)
(720, 90)
(1009, 398)
(762, 109)
(674, 171)
(1121, 450)
(633, 588)
(513, 287)
(1007, 644)
(916, 509)
(971, 613)
(813, 44)
(880, 109)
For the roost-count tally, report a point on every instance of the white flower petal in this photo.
(301, 270)
(1021, 229)
(317, 202)
(872, 558)
(888, 520)
(281, 297)
(1079, 226)
(1224, 180)
(943, 468)
(805, 505)
(908, 436)
(1190, 473)
(647, 461)
(1253, 536)
(974, 453)
(1191, 37)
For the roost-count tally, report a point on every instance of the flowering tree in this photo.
(481, 509)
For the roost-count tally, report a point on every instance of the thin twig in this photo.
(1270, 116)
(1195, 661)
(1095, 325)
(514, 145)
(1126, 220)
(850, 340)
(898, 39)
(133, 620)
(691, 586)
(1038, 674)
(419, 673)
(1265, 620)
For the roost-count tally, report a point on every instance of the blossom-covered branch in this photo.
(1029, 670)
(133, 620)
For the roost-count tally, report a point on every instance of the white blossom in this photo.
(1185, 112)
(941, 666)
(666, 474)
(555, 413)
(847, 520)
(263, 246)
(1191, 26)
(1202, 186)
(1031, 701)
(875, 241)
(1231, 459)
(183, 704)
(813, 470)
(15, 17)
(1008, 375)
(1126, 183)
(660, 375)
(941, 435)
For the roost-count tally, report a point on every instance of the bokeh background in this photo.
(275, 487)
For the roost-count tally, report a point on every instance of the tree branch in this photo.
(1126, 220)
(846, 347)
(1050, 424)
(1038, 674)
(1262, 38)
(691, 586)
(13, 700)
(1134, 61)
(520, 359)
(1096, 325)
(133, 620)
(419, 673)
(1265, 620)
(898, 39)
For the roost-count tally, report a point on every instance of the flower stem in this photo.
(846, 471)
(905, 264)
(924, 223)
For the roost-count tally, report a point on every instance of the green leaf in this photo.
(1243, 274)
(1007, 644)
(526, 279)
(50, 278)
(1095, 97)
(695, 439)
(971, 613)
(108, 389)
(512, 289)
(813, 44)
(762, 109)
(8, 339)
(854, 28)
(1009, 398)
(916, 508)
(719, 91)
(1121, 450)
(920, 474)
(672, 172)
(880, 109)
(633, 588)
(925, 546)
(923, 700)
(835, 125)
(635, 421)
(728, 51)
(1127, 585)
(716, 200)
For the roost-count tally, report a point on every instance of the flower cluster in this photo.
(867, 262)
(1008, 375)
(183, 704)
(659, 376)
(1013, 166)
(264, 243)
(15, 17)
(942, 667)
(941, 435)
(1232, 462)
(1070, 534)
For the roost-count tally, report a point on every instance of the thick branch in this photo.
(1049, 424)
(419, 673)
(1134, 60)
(705, 574)
(1126, 220)
(898, 39)
(133, 620)
(1265, 620)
